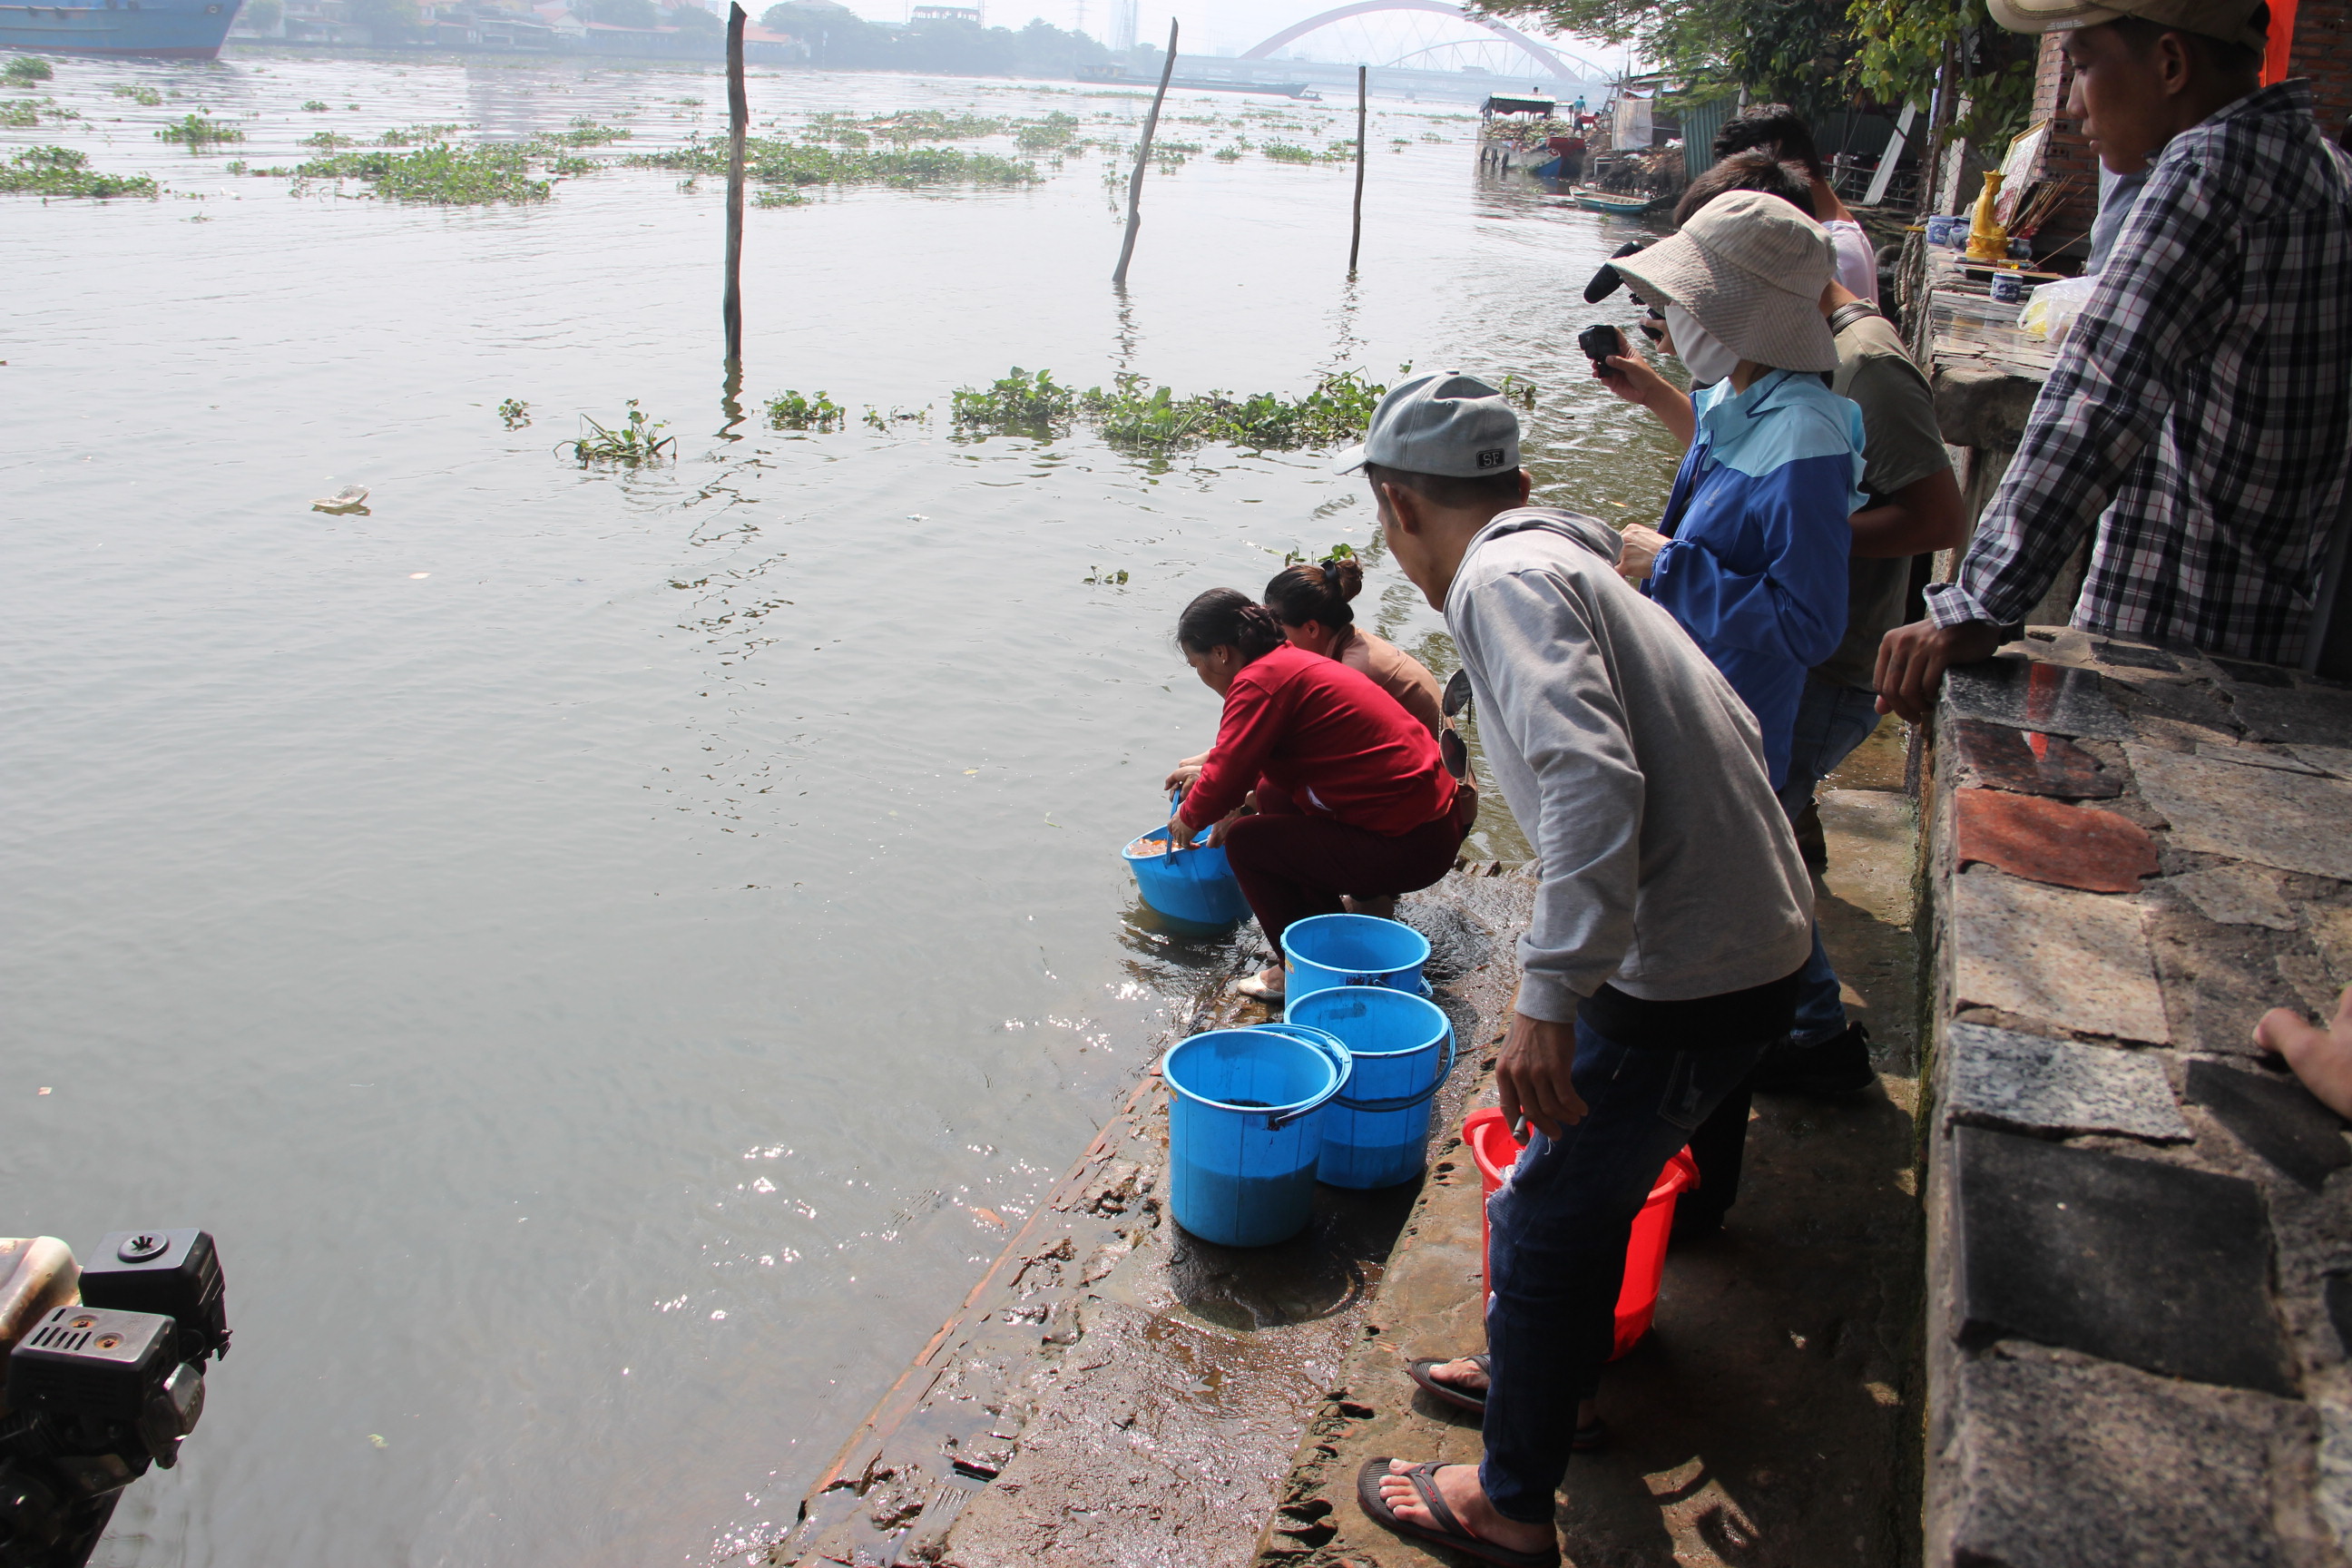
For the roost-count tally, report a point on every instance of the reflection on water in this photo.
(611, 956)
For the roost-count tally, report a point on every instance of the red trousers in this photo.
(1291, 864)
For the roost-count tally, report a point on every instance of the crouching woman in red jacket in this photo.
(1350, 793)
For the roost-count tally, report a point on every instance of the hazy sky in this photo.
(1209, 27)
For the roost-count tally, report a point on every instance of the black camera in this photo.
(104, 1377)
(1598, 343)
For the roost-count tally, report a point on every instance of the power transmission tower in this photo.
(1123, 24)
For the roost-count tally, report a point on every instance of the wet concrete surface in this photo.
(1771, 1420)
(1117, 1391)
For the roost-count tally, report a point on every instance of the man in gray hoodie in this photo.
(1672, 919)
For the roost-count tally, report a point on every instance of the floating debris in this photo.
(515, 412)
(345, 502)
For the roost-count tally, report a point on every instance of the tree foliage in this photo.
(1816, 55)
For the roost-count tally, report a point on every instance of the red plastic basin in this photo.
(1489, 1137)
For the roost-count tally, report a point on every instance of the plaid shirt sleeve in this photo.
(2156, 309)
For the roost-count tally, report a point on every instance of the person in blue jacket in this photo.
(1751, 555)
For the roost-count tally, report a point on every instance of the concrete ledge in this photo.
(2137, 1229)
(1983, 406)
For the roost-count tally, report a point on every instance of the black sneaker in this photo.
(1836, 1068)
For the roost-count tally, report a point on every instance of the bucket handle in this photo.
(1406, 1101)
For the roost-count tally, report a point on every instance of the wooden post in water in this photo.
(1143, 162)
(739, 124)
(1356, 234)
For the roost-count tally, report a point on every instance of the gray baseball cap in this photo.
(1442, 423)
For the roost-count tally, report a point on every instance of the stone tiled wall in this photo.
(2140, 1234)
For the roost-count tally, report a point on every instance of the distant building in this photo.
(971, 14)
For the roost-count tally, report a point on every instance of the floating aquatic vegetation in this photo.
(1302, 557)
(27, 68)
(636, 440)
(515, 412)
(409, 135)
(196, 131)
(1108, 579)
(1228, 154)
(881, 421)
(1518, 390)
(1136, 417)
(1288, 153)
(773, 163)
(20, 114)
(1016, 404)
(583, 133)
(931, 125)
(315, 106)
(325, 139)
(1056, 131)
(793, 412)
(449, 177)
(236, 166)
(773, 197)
(138, 92)
(60, 172)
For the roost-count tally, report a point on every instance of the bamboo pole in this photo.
(1143, 162)
(1356, 234)
(739, 121)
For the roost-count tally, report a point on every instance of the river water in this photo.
(609, 955)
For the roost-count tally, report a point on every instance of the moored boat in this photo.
(1623, 204)
(174, 29)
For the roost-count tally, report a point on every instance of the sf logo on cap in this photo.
(1491, 458)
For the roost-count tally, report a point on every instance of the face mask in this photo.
(1702, 354)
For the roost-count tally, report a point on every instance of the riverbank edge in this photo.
(991, 1446)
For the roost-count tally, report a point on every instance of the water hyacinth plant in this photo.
(1288, 153)
(60, 172)
(26, 70)
(1136, 417)
(137, 92)
(793, 412)
(637, 439)
(583, 133)
(196, 130)
(790, 164)
(440, 173)
(515, 412)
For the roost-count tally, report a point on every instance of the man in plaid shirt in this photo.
(2201, 413)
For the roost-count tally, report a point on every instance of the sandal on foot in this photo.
(1590, 1438)
(1257, 990)
(1445, 1531)
(1460, 1398)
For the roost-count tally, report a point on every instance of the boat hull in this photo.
(167, 29)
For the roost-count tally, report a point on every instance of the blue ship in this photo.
(175, 30)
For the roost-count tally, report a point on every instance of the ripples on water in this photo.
(610, 955)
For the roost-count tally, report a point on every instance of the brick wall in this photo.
(2067, 152)
(2322, 50)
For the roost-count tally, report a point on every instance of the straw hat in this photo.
(1751, 268)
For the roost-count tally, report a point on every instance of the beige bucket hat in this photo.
(2231, 21)
(1751, 268)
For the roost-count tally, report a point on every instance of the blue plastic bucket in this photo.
(1401, 1048)
(1195, 885)
(1324, 951)
(1244, 1130)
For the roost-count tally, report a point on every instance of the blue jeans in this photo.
(1556, 1234)
(1831, 721)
